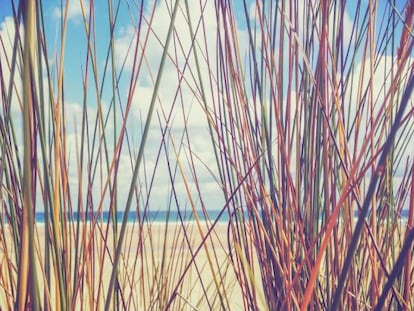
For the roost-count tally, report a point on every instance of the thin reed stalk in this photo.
(278, 174)
(27, 280)
(318, 112)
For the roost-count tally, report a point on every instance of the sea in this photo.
(152, 216)
(162, 216)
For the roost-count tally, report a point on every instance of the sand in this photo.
(159, 265)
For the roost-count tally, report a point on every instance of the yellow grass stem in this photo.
(252, 277)
(408, 289)
(27, 277)
(372, 46)
(60, 288)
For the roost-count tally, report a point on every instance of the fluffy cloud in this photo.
(299, 18)
(188, 92)
(74, 10)
(179, 104)
(385, 101)
(182, 100)
(7, 40)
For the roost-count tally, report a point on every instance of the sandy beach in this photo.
(159, 265)
(162, 266)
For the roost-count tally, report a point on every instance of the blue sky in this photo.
(75, 58)
(76, 36)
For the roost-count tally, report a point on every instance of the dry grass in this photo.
(309, 119)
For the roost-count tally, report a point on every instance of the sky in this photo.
(187, 112)
(125, 39)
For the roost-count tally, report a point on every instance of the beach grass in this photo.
(306, 117)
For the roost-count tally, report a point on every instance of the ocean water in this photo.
(161, 216)
(153, 216)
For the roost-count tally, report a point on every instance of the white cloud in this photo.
(384, 98)
(7, 40)
(187, 103)
(126, 37)
(299, 18)
(188, 99)
(74, 10)
(189, 95)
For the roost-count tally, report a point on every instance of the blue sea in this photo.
(153, 216)
(162, 216)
